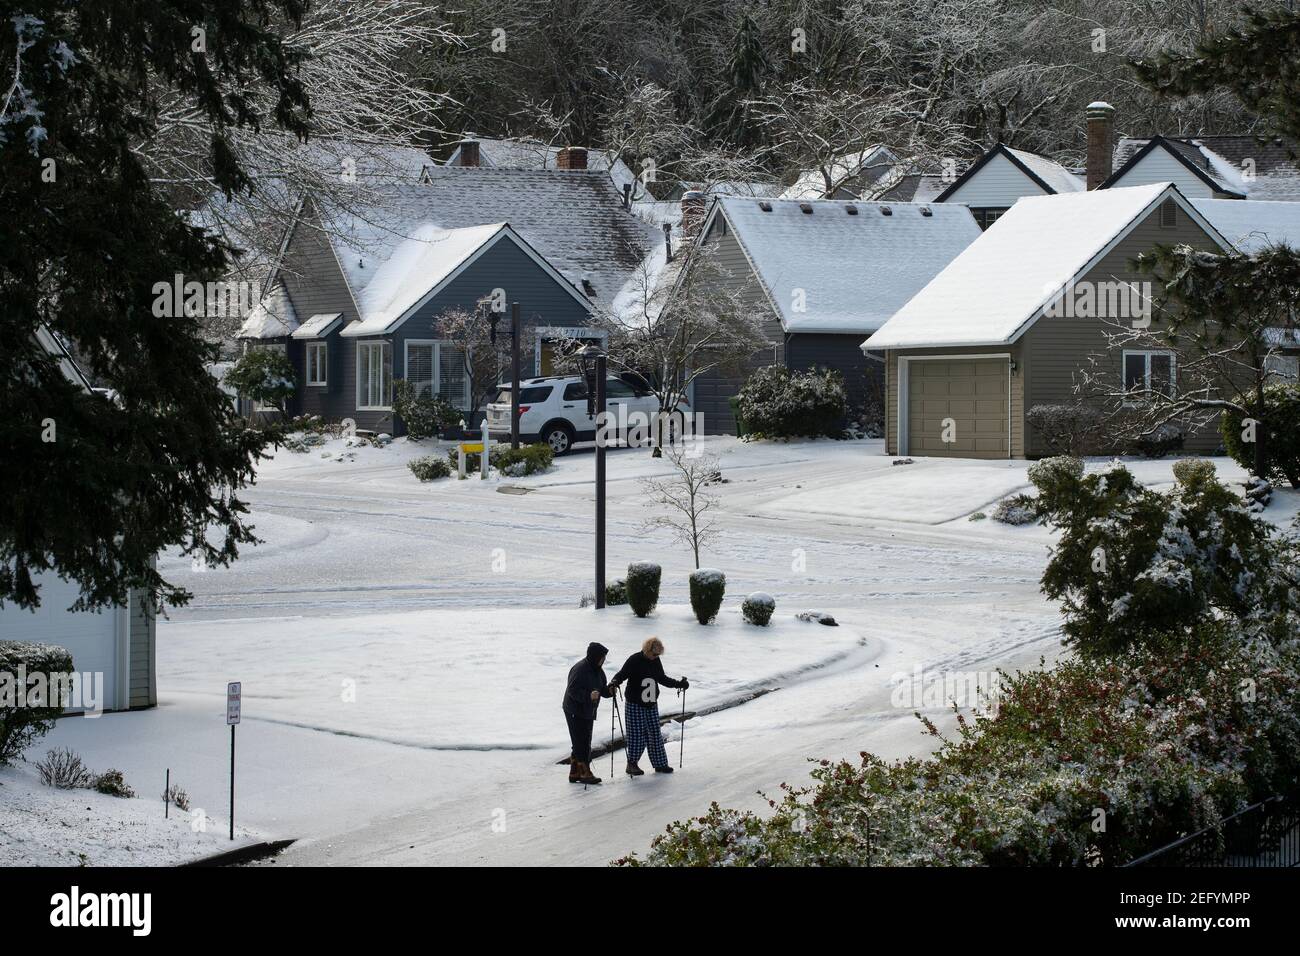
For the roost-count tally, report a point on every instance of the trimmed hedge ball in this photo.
(708, 585)
(642, 587)
(758, 608)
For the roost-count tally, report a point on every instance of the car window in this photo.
(617, 388)
(533, 395)
(575, 391)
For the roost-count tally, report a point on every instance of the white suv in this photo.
(554, 410)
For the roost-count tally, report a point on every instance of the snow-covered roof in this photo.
(811, 184)
(914, 187)
(318, 326)
(1253, 226)
(854, 264)
(1060, 179)
(416, 267)
(575, 220)
(272, 318)
(534, 154)
(991, 292)
(1207, 164)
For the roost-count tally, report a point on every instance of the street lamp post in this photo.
(514, 374)
(593, 370)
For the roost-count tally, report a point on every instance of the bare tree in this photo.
(687, 495)
(487, 363)
(672, 326)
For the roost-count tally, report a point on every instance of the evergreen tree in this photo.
(1259, 62)
(96, 483)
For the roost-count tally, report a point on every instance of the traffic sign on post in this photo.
(233, 693)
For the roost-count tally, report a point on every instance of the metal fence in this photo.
(1265, 834)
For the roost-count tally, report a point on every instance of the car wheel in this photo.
(560, 438)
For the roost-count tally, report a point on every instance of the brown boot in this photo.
(574, 775)
(585, 775)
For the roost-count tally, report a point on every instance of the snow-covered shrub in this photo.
(1131, 562)
(643, 587)
(616, 592)
(816, 617)
(1277, 432)
(1161, 740)
(424, 416)
(64, 770)
(1068, 429)
(707, 588)
(114, 784)
(178, 796)
(1016, 510)
(263, 374)
(977, 516)
(1164, 440)
(778, 403)
(429, 467)
(758, 608)
(27, 712)
(524, 460)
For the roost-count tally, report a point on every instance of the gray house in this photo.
(823, 274)
(988, 339)
(356, 298)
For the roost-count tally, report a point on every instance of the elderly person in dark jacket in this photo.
(644, 672)
(581, 700)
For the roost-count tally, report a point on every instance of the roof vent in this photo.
(765, 206)
(851, 209)
(805, 208)
(927, 211)
(886, 211)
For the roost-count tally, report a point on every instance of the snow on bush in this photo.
(707, 588)
(778, 403)
(1277, 434)
(816, 617)
(429, 467)
(1016, 510)
(643, 587)
(758, 608)
(28, 709)
(1068, 429)
(1130, 561)
(263, 374)
(1157, 742)
(616, 593)
(63, 770)
(424, 416)
(113, 783)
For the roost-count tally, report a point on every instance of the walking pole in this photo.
(613, 699)
(620, 730)
(681, 746)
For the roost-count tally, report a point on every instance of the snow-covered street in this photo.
(403, 647)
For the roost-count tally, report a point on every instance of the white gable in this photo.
(1158, 166)
(997, 184)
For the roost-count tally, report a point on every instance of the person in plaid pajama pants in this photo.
(644, 673)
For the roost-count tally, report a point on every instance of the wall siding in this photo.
(1056, 348)
(144, 653)
(863, 377)
(1160, 167)
(999, 182)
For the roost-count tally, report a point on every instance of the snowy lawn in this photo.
(473, 679)
(43, 826)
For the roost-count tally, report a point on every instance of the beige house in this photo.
(1010, 323)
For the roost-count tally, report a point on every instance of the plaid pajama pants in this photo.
(642, 731)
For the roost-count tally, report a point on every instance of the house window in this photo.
(1286, 367)
(374, 376)
(987, 217)
(316, 363)
(438, 368)
(1148, 372)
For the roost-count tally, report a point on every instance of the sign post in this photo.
(234, 692)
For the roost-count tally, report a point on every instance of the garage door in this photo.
(964, 401)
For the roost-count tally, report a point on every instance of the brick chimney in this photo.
(469, 154)
(692, 211)
(571, 157)
(1101, 142)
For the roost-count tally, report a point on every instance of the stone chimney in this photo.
(571, 157)
(469, 155)
(1101, 142)
(692, 211)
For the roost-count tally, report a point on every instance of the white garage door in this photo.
(957, 408)
(91, 637)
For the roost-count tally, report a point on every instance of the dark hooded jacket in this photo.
(584, 677)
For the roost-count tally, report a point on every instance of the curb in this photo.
(620, 743)
(241, 854)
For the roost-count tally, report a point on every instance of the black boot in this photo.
(663, 769)
(634, 771)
